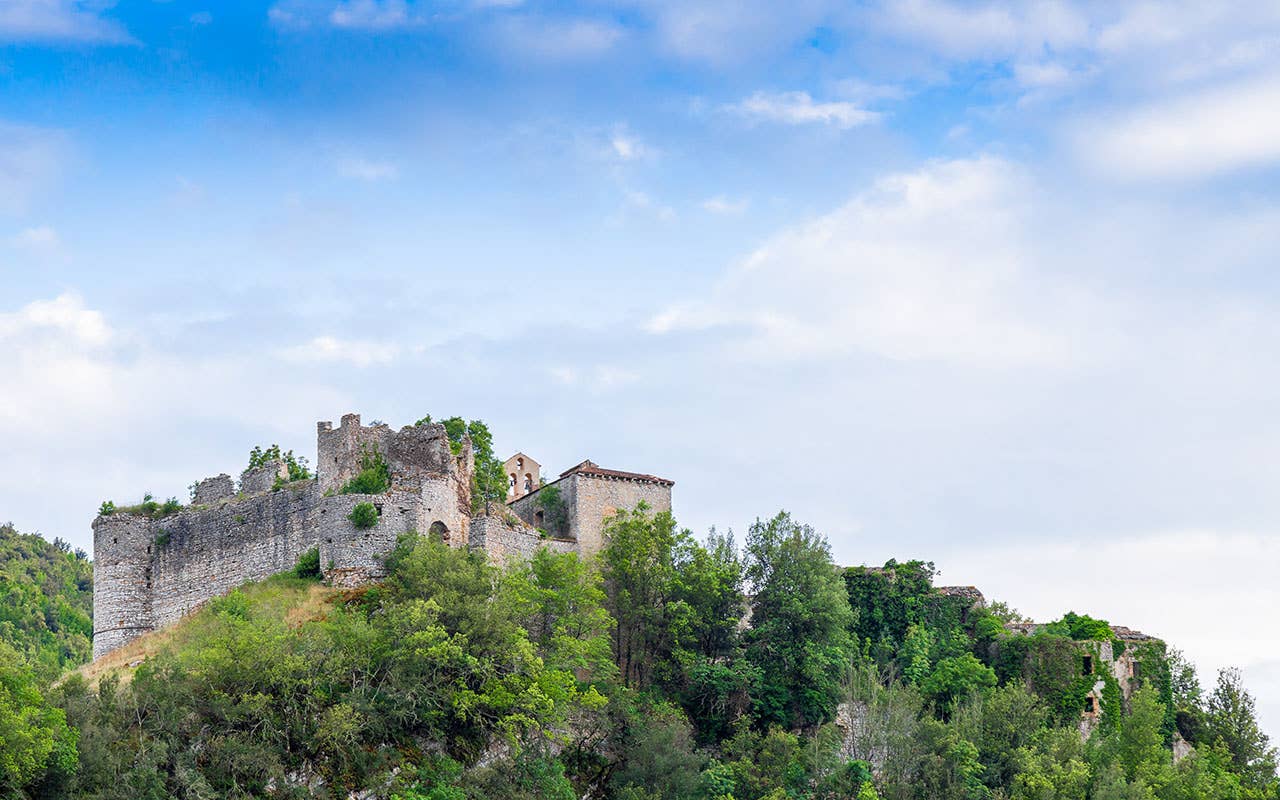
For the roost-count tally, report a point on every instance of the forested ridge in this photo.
(667, 667)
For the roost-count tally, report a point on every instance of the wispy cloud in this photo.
(553, 39)
(925, 266)
(31, 159)
(367, 170)
(41, 238)
(357, 352)
(643, 203)
(720, 204)
(799, 108)
(626, 146)
(597, 379)
(58, 20)
(1225, 128)
(372, 14)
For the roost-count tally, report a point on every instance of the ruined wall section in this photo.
(503, 538)
(202, 553)
(414, 453)
(149, 573)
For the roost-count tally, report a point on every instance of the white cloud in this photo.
(799, 108)
(41, 239)
(638, 201)
(66, 316)
(720, 204)
(358, 352)
(926, 265)
(57, 20)
(725, 32)
(984, 30)
(555, 39)
(372, 14)
(1217, 130)
(626, 146)
(367, 170)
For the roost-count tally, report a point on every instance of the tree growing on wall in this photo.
(299, 470)
(488, 480)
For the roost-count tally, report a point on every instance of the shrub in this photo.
(162, 540)
(374, 476)
(308, 565)
(107, 508)
(363, 516)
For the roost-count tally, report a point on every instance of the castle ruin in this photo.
(149, 572)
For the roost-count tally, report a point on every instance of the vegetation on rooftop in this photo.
(148, 507)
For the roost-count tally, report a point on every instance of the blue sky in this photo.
(987, 283)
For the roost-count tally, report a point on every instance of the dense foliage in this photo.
(46, 601)
(667, 667)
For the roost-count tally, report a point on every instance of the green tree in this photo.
(488, 480)
(36, 745)
(800, 621)
(953, 679)
(639, 574)
(1052, 767)
(46, 602)
(1231, 721)
(559, 599)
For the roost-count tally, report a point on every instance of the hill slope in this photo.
(46, 601)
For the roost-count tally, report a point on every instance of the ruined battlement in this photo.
(150, 570)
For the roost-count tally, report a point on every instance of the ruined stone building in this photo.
(149, 572)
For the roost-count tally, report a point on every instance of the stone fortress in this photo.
(149, 572)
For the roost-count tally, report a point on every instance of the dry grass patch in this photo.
(295, 600)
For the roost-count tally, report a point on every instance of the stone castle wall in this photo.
(503, 538)
(148, 573)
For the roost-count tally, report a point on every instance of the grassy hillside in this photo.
(46, 601)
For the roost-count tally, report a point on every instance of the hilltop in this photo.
(647, 672)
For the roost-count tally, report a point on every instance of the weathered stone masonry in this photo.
(149, 573)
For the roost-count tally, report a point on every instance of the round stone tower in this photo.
(123, 546)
